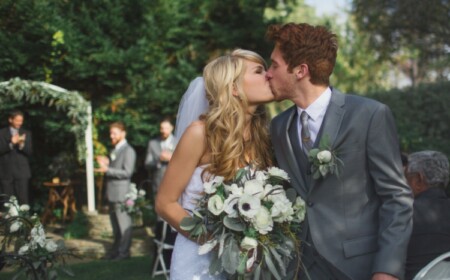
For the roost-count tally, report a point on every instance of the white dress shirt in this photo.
(316, 112)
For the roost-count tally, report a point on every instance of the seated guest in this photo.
(428, 175)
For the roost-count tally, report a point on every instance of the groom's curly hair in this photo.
(230, 143)
(302, 43)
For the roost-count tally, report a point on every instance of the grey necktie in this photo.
(306, 136)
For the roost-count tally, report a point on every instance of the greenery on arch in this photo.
(49, 95)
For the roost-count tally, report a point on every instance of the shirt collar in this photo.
(319, 106)
(120, 144)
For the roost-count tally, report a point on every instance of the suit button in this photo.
(310, 203)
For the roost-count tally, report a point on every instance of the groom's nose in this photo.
(268, 75)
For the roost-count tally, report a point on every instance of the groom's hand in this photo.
(383, 276)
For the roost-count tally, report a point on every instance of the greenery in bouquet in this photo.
(24, 244)
(135, 203)
(251, 224)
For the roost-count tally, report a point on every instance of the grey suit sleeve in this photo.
(395, 214)
(125, 171)
(152, 158)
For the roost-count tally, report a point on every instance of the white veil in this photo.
(192, 105)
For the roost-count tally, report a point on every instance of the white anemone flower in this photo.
(207, 247)
(249, 205)
(231, 205)
(215, 205)
(51, 246)
(273, 193)
(254, 188)
(277, 172)
(262, 221)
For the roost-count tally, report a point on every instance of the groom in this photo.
(358, 223)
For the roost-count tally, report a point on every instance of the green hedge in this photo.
(421, 115)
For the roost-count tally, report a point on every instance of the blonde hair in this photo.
(225, 121)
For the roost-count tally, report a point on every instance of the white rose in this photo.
(215, 205)
(282, 211)
(277, 172)
(249, 243)
(255, 188)
(324, 156)
(249, 205)
(51, 246)
(299, 209)
(24, 207)
(15, 226)
(262, 221)
(23, 250)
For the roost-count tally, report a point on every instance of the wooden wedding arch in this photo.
(78, 110)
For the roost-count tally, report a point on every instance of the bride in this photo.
(230, 135)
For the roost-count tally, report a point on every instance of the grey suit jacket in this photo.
(14, 163)
(118, 176)
(360, 222)
(152, 162)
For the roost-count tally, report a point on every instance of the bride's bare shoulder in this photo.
(196, 130)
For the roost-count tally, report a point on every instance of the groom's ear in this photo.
(301, 71)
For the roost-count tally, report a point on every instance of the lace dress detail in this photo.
(186, 263)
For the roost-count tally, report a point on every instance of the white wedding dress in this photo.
(186, 263)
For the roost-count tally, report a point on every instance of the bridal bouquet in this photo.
(135, 202)
(250, 224)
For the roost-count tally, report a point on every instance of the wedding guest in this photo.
(358, 221)
(159, 153)
(428, 176)
(118, 170)
(15, 151)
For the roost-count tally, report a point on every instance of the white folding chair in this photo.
(437, 269)
(159, 258)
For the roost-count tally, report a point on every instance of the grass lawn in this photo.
(135, 268)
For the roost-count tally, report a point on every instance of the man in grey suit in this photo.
(15, 150)
(358, 223)
(159, 153)
(118, 169)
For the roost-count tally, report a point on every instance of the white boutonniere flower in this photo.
(113, 156)
(324, 160)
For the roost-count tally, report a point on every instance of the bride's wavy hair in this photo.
(225, 121)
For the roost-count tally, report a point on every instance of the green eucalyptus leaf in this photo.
(242, 263)
(230, 257)
(188, 223)
(280, 262)
(233, 224)
(291, 194)
(271, 266)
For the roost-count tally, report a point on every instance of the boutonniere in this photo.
(113, 156)
(324, 160)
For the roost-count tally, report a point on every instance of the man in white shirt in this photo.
(358, 222)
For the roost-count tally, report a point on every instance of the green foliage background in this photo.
(133, 60)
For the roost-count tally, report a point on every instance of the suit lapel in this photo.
(333, 118)
(300, 183)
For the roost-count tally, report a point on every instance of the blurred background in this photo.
(133, 60)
